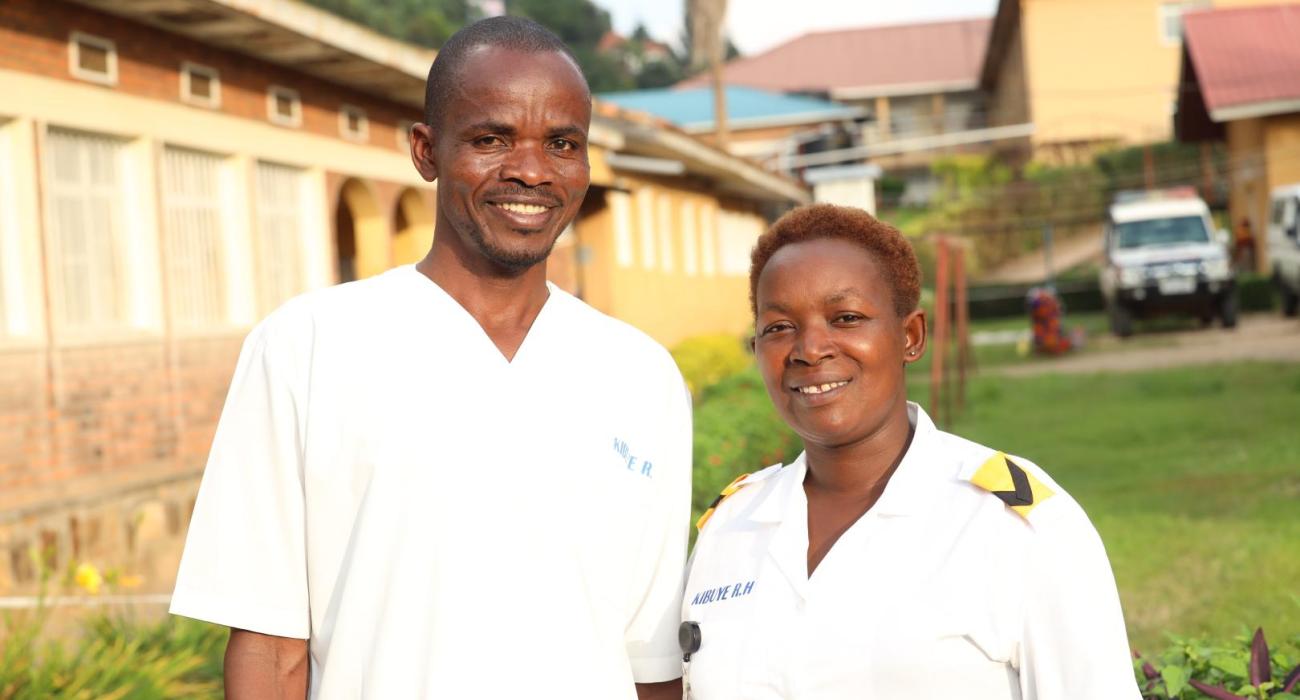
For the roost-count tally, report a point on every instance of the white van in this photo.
(1284, 245)
(1163, 255)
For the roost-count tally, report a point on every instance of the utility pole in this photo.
(708, 49)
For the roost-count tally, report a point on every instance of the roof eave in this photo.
(295, 35)
(1251, 110)
(734, 175)
(799, 119)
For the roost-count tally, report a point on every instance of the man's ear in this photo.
(914, 336)
(422, 145)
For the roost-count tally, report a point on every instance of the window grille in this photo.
(646, 225)
(192, 205)
(86, 229)
(664, 222)
(620, 209)
(279, 233)
(690, 240)
(353, 123)
(709, 240)
(283, 106)
(200, 85)
(92, 58)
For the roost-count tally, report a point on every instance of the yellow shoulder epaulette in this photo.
(1017, 488)
(733, 487)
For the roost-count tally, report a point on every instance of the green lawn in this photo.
(1192, 476)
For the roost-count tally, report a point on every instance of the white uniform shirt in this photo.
(438, 521)
(939, 591)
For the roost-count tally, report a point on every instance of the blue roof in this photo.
(693, 107)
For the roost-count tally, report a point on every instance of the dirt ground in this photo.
(1261, 337)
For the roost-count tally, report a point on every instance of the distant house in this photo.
(635, 54)
(762, 124)
(170, 172)
(1240, 83)
(913, 82)
(1087, 75)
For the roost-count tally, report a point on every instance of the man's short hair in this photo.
(514, 33)
(883, 242)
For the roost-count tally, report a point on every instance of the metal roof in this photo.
(868, 61)
(747, 108)
(1246, 60)
(291, 34)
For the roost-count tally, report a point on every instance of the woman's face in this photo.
(829, 343)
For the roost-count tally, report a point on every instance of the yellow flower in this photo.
(89, 578)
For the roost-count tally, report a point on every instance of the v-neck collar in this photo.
(474, 330)
(786, 505)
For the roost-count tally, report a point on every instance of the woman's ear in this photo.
(913, 336)
(422, 142)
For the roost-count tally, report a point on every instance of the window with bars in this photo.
(200, 85)
(283, 106)
(92, 58)
(279, 236)
(86, 229)
(193, 237)
(353, 123)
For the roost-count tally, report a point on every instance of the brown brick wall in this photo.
(87, 434)
(34, 39)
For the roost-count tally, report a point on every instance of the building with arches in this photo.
(176, 170)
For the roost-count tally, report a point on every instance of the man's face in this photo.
(510, 154)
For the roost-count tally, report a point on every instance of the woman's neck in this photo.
(861, 468)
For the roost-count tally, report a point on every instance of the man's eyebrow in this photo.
(774, 306)
(570, 130)
(490, 127)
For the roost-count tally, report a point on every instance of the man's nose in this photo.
(527, 164)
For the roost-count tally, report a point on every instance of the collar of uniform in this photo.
(912, 484)
(908, 488)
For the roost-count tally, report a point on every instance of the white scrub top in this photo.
(941, 590)
(439, 522)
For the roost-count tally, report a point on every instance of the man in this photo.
(453, 480)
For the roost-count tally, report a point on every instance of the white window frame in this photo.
(620, 210)
(287, 254)
(294, 120)
(130, 255)
(213, 101)
(645, 205)
(75, 40)
(664, 221)
(181, 207)
(362, 132)
(690, 238)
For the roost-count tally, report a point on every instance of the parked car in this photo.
(1284, 245)
(1163, 255)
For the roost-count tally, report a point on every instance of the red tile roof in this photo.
(887, 59)
(1246, 59)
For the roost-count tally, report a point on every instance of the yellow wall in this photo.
(664, 295)
(1264, 153)
(1099, 69)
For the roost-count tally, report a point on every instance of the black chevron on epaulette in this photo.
(1023, 495)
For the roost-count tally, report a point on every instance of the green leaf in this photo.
(1175, 678)
(1234, 666)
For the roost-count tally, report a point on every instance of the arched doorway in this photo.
(360, 233)
(413, 226)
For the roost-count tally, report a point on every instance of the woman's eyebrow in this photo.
(844, 295)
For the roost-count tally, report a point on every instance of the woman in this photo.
(891, 559)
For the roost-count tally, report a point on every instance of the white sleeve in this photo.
(244, 563)
(1073, 645)
(651, 636)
